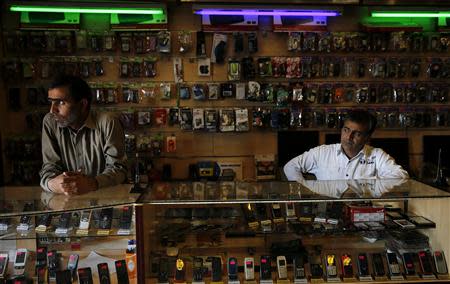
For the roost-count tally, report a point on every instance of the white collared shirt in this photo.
(329, 162)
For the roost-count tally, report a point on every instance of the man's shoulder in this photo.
(327, 147)
(373, 151)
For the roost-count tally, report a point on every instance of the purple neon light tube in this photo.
(267, 12)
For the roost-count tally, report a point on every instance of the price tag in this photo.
(123, 232)
(61, 231)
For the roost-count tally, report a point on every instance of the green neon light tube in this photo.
(100, 10)
(410, 14)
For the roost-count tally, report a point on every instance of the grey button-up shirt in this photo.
(97, 149)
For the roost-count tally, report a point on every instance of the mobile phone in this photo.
(265, 268)
(72, 264)
(85, 276)
(42, 275)
(44, 220)
(249, 212)
(299, 267)
(441, 264)
(330, 261)
(163, 273)
(121, 271)
(404, 223)
(393, 266)
(249, 268)
(216, 269)
(4, 257)
(276, 211)
(363, 265)
(261, 211)
(281, 267)
(63, 277)
(425, 262)
(316, 266)
(347, 265)
(103, 273)
(290, 210)
(106, 219)
(85, 219)
(41, 257)
(232, 269)
(422, 221)
(408, 262)
(180, 271)
(52, 263)
(197, 271)
(64, 220)
(26, 219)
(378, 266)
(20, 262)
(125, 218)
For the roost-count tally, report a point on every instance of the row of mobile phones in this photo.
(430, 264)
(80, 220)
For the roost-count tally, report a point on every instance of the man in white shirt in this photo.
(350, 159)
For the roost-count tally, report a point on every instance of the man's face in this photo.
(353, 137)
(65, 111)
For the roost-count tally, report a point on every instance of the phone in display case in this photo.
(180, 271)
(4, 258)
(64, 277)
(408, 262)
(85, 219)
(85, 276)
(103, 273)
(363, 265)
(249, 268)
(347, 265)
(197, 270)
(232, 269)
(441, 264)
(393, 266)
(281, 267)
(378, 266)
(121, 271)
(163, 273)
(299, 267)
(20, 262)
(216, 269)
(72, 265)
(425, 262)
(265, 268)
(330, 261)
(52, 263)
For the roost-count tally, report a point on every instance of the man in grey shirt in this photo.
(82, 150)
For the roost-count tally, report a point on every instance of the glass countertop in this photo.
(13, 200)
(278, 191)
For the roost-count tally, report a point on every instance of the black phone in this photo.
(64, 220)
(425, 262)
(393, 266)
(163, 273)
(378, 266)
(216, 269)
(105, 221)
(85, 276)
(408, 262)
(347, 265)
(265, 268)
(441, 264)
(121, 270)
(44, 220)
(299, 267)
(41, 257)
(316, 266)
(363, 265)
(180, 271)
(197, 270)
(103, 273)
(52, 263)
(26, 219)
(64, 277)
(125, 219)
(232, 269)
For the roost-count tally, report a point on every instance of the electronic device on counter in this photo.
(299, 267)
(331, 265)
(43, 221)
(347, 265)
(276, 211)
(25, 220)
(125, 218)
(197, 270)
(281, 267)
(290, 211)
(85, 219)
(421, 222)
(105, 221)
(52, 263)
(180, 271)
(425, 262)
(216, 269)
(408, 262)
(72, 265)
(20, 262)
(121, 271)
(249, 268)
(316, 266)
(404, 223)
(4, 258)
(41, 257)
(265, 268)
(393, 266)
(64, 277)
(439, 260)
(163, 273)
(232, 269)
(363, 265)
(85, 276)
(378, 266)
(103, 273)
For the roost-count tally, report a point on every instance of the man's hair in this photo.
(363, 117)
(78, 88)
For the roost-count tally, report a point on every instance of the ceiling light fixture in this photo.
(91, 10)
(243, 12)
